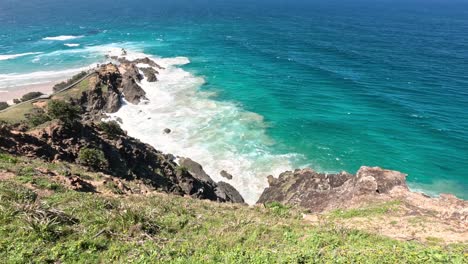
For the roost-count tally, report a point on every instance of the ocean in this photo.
(259, 87)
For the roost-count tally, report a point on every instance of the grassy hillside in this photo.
(42, 220)
(18, 113)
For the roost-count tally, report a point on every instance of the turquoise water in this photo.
(339, 85)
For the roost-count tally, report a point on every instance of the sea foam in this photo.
(71, 45)
(219, 135)
(62, 38)
(14, 56)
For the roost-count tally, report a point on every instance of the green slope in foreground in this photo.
(42, 221)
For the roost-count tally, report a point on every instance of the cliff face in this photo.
(126, 157)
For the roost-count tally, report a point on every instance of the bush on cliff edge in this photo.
(63, 111)
(3, 105)
(92, 158)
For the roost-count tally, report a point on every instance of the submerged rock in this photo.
(226, 175)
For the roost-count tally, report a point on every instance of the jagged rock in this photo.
(227, 192)
(319, 191)
(130, 70)
(226, 175)
(150, 74)
(195, 169)
(127, 158)
(145, 60)
(113, 102)
(80, 185)
(132, 91)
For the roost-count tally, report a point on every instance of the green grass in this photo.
(15, 114)
(373, 210)
(72, 227)
(74, 92)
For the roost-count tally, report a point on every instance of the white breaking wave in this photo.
(21, 79)
(218, 135)
(71, 45)
(62, 38)
(14, 56)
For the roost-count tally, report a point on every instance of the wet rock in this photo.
(226, 175)
(145, 60)
(132, 92)
(150, 74)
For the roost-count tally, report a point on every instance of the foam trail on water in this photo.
(62, 38)
(71, 45)
(219, 135)
(14, 56)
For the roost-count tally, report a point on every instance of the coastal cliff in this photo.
(125, 157)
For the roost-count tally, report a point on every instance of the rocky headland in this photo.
(129, 159)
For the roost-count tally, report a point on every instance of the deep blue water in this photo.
(343, 83)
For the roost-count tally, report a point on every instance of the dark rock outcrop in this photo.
(132, 91)
(103, 95)
(229, 193)
(223, 190)
(150, 74)
(145, 60)
(127, 157)
(195, 169)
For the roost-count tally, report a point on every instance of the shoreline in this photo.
(18, 91)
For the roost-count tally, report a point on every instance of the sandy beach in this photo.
(9, 94)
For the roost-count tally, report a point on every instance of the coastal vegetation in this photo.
(30, 96)
(63, 111)
(92, 158)
(43, 220)
(3, 105)
(69, 82)
(111, 128)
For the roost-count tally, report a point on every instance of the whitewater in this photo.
(218, 135)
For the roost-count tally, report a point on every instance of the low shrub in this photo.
(92, 158)
(4, 105)
(30, 96)
(37, 117)
(112, 129)
(63, 111)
